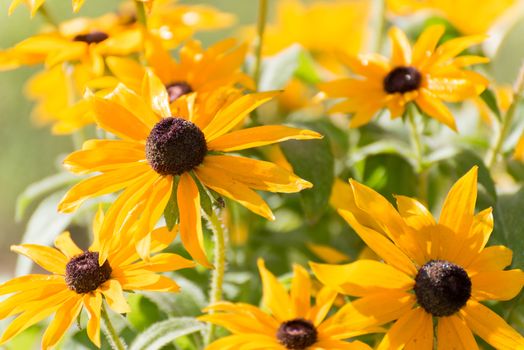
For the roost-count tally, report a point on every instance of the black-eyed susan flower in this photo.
(78, 281)
(161, 152)
(198, 70)
(426, 75)
(290, 322)
(431, 270)
(86, 40)
(468, 16)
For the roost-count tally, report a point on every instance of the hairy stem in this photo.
(217, 280)
(111, 334)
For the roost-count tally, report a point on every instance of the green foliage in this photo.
(161, 333)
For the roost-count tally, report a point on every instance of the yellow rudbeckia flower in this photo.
(86, 40)
(425, 74)
(468, 16)
(79, 281)
(431, 270)
(292, 322)
(161, 152)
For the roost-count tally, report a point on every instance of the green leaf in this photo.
(489, 98)
(40, 188)
(164, 332)
(171, 209)
(313, 161)
(278, 69)
(205, 200)
(44, 225)
(508, 59)
(509, 222)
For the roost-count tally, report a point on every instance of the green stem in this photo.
(141, 13)
(111, 334)
(44, 12)
(496, 149)
(217, 279)
(418, 147)
(261, 28)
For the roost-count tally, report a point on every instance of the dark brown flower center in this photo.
(84, 274)
(402, 79)
(174, 146)
(93, 37)
(297, 334)
(177, 89)
(442, 288)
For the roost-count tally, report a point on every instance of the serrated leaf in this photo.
(313, 161)
(171, 209)
(278, 69)
(40, 188)
(164, 332)
(490, 100)
(44, 225)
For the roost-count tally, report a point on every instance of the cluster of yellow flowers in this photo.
(168, 133)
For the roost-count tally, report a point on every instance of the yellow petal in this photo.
(373, 310)
(497, 285)
(454, 334)
(453, 47)
(275, 297)
(413, 326)
(300, 291)
(28, 282)
(190, 221)
(327, 253)
(323, 302)
(459, 206)
(491, 327)
(256, 174)
(231, 115)
(101, 184)
(259, 136)
(401, 49)
(372, 66)
(479, 235)
(118, 119)
(66, 245)
(235, 190)
(49, 258)
(382, 246)
(127, 70)
(492, 258)
(426, 43)
(433, 107)
(93, 305)
(414, 213)
(64, 318)
(163, 263)
(104, 155)
(114, 294)
(361, 278)
(154, 91)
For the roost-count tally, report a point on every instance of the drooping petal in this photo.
(190, 220)
(491, 327)
(454, 334)
(114, 294)
(93, 305)
(66, 245)
(64, 318)
(275, 297)
(362, 278)
(259, 136)
(434, 108)
(413, 326)
(49, 258)
(257, 174)
(235, 190)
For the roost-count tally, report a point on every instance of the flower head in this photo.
(78, 281)
(291, 322)
(431, 269)
(164, 152)
(426, 74)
